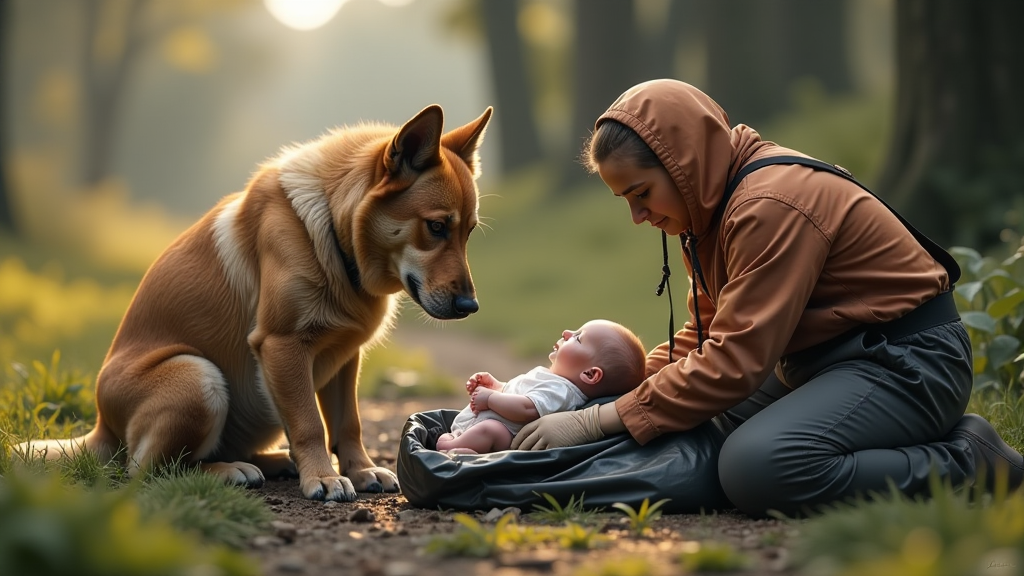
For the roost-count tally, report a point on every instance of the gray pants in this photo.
(851, 419)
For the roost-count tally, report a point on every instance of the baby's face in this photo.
(576, 350)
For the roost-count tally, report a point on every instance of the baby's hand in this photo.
(482, 380)
(478, 399)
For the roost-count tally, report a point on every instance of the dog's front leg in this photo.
(287, 365)
(340, 408)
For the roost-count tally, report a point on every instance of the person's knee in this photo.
(748, 468)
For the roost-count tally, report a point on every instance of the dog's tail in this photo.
(99, 441)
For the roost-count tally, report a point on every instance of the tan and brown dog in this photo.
(254, 320)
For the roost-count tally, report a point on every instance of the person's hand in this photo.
(560, 429)
(482, 380)
(478, 399)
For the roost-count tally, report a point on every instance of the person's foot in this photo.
(992, 456)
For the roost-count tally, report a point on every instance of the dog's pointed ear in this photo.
(465, 141)
(418, 143)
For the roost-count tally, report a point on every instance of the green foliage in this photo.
(989, 297)
(1005, 410)
(573, 511)
(474, 539)
(191, 500)
(46, 395)
(712, 557)
(640, 520)
(48, 528)
(983, 195)
(575, 536)
(950, 534)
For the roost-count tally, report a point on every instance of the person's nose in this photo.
(566, 334)
(639, 213)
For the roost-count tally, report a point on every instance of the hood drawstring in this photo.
(689, 245)
(665, 273)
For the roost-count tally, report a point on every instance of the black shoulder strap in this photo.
(936, 251)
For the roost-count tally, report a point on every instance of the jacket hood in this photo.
(690, 134)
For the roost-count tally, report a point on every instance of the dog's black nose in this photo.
(465, 305)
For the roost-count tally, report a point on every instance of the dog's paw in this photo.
(337, 488)
(375, 479)
(240, 473)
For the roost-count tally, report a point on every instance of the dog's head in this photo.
(420, 214)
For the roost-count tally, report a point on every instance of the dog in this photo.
(253, 322)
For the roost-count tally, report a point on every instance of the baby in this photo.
(602, 358)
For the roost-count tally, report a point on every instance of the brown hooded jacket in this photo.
(799, 256)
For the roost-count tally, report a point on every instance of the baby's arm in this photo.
(515, 407)
(483, 380)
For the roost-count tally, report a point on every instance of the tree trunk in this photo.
(8, 223)
(956, 157)
(815, 43)
(513, 94)
(104, 85)
(758, 49)
(604, 66)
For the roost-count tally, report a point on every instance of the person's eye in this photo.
(644, 194)
(578, 337)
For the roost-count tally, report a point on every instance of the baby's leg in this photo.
(486, 436)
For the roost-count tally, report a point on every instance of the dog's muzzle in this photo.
(457, 308)
(464, 305)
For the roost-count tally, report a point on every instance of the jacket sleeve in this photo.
(774, 254)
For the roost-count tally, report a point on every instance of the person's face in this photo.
(650, 192)
(576, 351)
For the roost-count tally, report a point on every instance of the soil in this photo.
(383, 535)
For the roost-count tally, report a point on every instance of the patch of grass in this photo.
(954, 532)
(703, 557)
(1005, 410)
(473, 539)
(573, 511)
(640, 520)
(191, 500)
(50, 528)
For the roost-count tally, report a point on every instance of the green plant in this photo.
(48, 528)
(640, 520)
(712, 557)
(474, 539)
(954, 532)
(46, 395)
(574, 536)
(990, 298)
(573, 511)
(192, 500)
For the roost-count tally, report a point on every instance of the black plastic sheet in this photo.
(682, 466)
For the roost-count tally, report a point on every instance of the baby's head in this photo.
(602, 358)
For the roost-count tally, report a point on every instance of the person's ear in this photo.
(592, 375)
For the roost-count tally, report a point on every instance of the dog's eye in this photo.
(437, 228)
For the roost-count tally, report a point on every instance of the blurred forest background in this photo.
(122, 121)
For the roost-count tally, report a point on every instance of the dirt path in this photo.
(383, 535)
